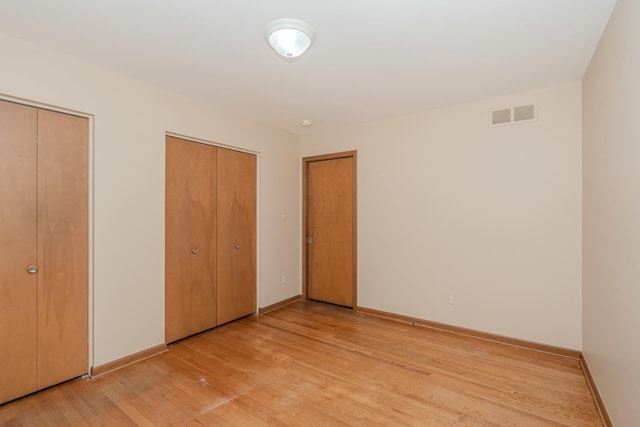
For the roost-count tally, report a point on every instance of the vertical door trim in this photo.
(305, 164)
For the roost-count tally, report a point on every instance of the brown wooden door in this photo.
(236, 234)
(330, 236)
(190, 290)
(43, 223)
(18, 289)
(62, 247)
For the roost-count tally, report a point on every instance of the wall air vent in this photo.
(525, 112)
(514, 115)
(501, 117)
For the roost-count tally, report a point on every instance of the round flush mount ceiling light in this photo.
(289, 38)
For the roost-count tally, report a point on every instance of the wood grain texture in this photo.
(330, 212)
(279, 304)
(236, 212)
(316, 364)
(63, 349)
(602, 408)
(190, 221)
(558, 351)
(131, 359)
(18, 289)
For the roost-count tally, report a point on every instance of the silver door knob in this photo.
(237, 246)
(32, 269)
(194, 251)
(309, 240)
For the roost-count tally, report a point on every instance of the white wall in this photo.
(131, 119)
(611, 233)
(448, 205)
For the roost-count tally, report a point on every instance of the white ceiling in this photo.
(372, 59)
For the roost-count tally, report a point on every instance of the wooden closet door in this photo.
(44, 225)
(18, 288)
(62, 247)
(190, 249)
(236, 235)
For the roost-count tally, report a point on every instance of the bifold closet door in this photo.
(18, 213)
(190, 288)
(62, 247)
(43, 249)
(236, 234)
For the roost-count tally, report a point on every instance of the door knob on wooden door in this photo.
(194, 251)
(32, 269)
(309, 240)
(237, 246)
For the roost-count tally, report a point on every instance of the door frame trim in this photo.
(305, 164)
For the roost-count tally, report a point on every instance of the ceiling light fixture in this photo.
(289, 38)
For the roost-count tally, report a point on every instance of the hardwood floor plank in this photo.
(315, 364)
(475, 374)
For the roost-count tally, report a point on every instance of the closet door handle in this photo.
(237, 246)
(32, 269)
(194, 251)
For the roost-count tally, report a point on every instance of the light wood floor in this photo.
(314, 364)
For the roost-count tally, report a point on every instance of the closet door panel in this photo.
(190, 289)
(62, 247)
(18, 319)
(236, 234)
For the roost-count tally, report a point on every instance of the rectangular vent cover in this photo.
(510, 116)
(500, 117)
(526, 112)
